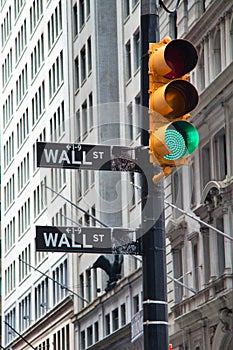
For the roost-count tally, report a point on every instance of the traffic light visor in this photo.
(172, 59)
(174, 99)
(181, 138)
(181, 56)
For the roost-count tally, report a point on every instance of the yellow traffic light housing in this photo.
(172, 97)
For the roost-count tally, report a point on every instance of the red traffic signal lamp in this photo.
(172, 97)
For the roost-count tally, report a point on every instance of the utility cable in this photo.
(14, 330)
(182, 284)
(199, 220)
(60, 284)
(192, 216)
(76, 206)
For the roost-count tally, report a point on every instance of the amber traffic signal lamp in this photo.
(172, 97)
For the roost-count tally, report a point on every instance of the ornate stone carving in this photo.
(226, 317)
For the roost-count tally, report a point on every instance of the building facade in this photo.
(35, 106)
(71, 73)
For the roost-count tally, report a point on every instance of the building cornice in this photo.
(208, 21)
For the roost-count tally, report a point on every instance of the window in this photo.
(9, 233)
(115, 319)
(83, 64)
(20, 41)
(22, 85)
(83, 340)
(96, 330)
(107, 324)
(18, 5)
(9, 192)
(81, 13)
(201, 72)
(126, 8)
(192, 183)
(22, 128)
(23, 173)
(78, 125)
(76, 73)
(88, 285)
(7, 68)
(220, 246)
(36, 12)
(57, 123)
(25, 313)
(10, 318)
(178, 272)
(81, 278)
(89, 55)
(54, 25)
(56, 76)
(220, 155)
(205, 164)
(123, 315)
(58, 180)
(132, 188)
(8, 150)
(173, 25)
(195, 266)
(89, 336)
(41, 298)
(8, 108)
(10, 278)
(84, 119)
(217, 54)
(130, 122)
(61, 339)
(202, 5)
(37, 57)
(24, 263)
(75, 19)
(88, 7)
(91, 119)
(44, 345)
(177, 191)
(6, 26)
(135, 304)
(38, 104)
(40, 198)
(42, 137)
(128, 61)
(206, 254)
(60, 275)
(137, 51)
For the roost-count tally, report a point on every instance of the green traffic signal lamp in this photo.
(174, 141)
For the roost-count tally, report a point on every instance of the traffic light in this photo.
(171, 97)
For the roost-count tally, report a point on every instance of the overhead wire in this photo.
(161, 3)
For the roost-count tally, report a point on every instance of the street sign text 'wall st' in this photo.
(86, 156)
(86, 240)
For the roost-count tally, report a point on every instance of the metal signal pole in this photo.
(155, 311)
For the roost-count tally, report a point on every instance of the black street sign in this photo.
(86, 156)
(86, 240)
